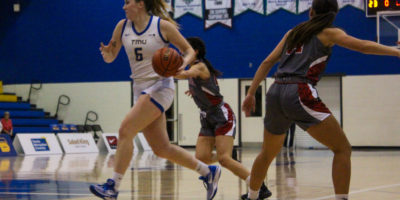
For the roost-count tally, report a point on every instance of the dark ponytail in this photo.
(198, 44)
(324, 15)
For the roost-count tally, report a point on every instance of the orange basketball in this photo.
(166, 61)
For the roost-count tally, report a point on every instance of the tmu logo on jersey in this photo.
(139, 42)
(298, 50)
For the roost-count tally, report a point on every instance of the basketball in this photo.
(166, 61)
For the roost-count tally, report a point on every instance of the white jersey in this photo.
(140, 47)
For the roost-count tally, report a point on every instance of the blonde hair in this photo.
(159, 8)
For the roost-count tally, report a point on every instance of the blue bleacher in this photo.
(14, 106)
(27, 119)
(32, 130)
(24, 113)
(34, 122)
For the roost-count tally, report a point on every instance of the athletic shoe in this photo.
(263, 194)
(106, 191)
(211, 181)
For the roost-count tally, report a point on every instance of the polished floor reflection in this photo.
(300, 174)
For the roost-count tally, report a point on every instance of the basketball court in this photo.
(297, 174)
(51, 158)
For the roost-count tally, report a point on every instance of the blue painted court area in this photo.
(41, 189)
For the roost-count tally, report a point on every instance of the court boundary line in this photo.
(360, 191)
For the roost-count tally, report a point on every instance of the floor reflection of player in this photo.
(7, 175)
(286, 181)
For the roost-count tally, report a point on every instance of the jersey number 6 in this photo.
(138, 53)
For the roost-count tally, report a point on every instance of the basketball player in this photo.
(147, 29)
(303, 54)
(218, 122)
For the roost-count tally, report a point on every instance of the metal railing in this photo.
(91, 113)
(60, 102)
(33, 88)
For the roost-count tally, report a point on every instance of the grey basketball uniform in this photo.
(292, 97)
(216, 116)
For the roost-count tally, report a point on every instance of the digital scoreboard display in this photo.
(374, 6)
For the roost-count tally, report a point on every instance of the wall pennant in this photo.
(218, 12)
(244, 5)
(195, 7)
(304, 5)
(355, 3)
(274, 5)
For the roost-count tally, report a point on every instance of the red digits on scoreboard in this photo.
(397, 2)
(386, 3)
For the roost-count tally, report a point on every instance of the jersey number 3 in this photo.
(139, 54)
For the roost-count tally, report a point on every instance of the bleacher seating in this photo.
(26, 118)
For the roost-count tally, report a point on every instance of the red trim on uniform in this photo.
(308, 99)
(213, 99)
(228, 125)
(315, 70)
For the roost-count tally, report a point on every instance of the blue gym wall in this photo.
(57, 41)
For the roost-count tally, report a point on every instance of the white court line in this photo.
(360, 191)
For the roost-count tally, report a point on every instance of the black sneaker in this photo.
(248, 198)
(263, 194)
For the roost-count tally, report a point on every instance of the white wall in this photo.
(110, 100)
(371, 106)
(371, 110)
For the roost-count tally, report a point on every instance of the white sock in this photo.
(252, 194)
(202, 168)
(117, 179)
(342, 197)
(248, 180)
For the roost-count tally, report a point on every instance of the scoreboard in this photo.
(374, 6)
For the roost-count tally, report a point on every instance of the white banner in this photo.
(243, 5)
(188, 6)
(37, 144)
(304, 5)
(108, 143)
(274, 5)
(218, 11)
(77, 143)
(355, 3)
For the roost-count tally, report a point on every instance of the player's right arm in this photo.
(339, 37)
(196, 70)
(110, 51)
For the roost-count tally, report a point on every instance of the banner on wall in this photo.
(355, 3)
(304, 5)
(218, 12)
(37, 144)
(274, 5)
(6, 147)
(182, 7)
(78, 143)
(254, 5)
